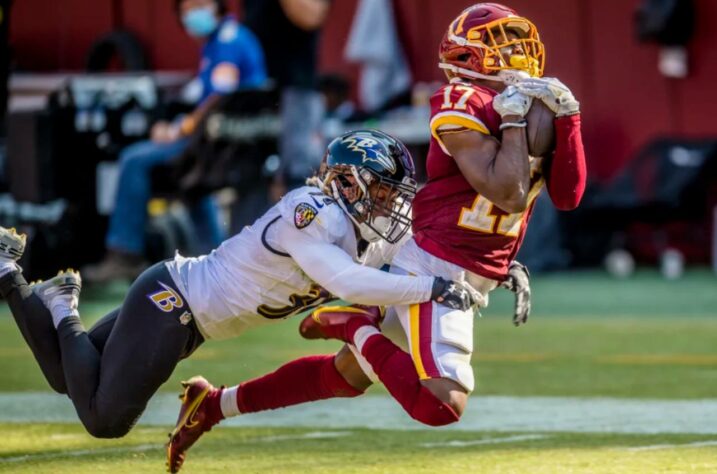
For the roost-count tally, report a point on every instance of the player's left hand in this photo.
(556, 95)
(518, 282)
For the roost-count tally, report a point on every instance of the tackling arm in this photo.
(332, 268)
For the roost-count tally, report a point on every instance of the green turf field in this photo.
(65, 449)
(589, 336)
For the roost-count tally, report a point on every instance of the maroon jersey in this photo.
(452, 221)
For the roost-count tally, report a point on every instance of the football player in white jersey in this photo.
(301, 252)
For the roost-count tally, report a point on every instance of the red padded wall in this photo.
(590, 46)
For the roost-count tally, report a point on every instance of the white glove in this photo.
(512, 102)
(552, 92)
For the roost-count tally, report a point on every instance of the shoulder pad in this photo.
(462, 105)
(312, 211)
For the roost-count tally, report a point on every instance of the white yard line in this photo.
(151, 447)
(654, 447)
(80, 452)
(463, 444)
(312, 435)
(500, 414)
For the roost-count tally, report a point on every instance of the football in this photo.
(541, 129)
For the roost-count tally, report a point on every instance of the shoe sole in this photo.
(67, 277)
(12, 244)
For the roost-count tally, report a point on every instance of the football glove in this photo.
(518, 281)
(455, 295)
(512, 102)
(552, 92)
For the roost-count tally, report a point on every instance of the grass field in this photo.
(589, 336)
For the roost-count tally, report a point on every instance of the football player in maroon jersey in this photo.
(468, 223)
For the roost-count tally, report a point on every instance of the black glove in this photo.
(518, 281)
(451, 294)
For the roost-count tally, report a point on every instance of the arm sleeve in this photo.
(332, 268)
(567, 174)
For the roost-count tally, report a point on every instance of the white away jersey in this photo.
(262, 273)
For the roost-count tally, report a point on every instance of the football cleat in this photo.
(12, 244)
(330, 322)
(61, 292)
(193, 420)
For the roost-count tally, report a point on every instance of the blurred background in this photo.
(84, 82)
(132, 128)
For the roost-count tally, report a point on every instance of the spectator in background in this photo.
(289, 33)
(231, 57)
(335, 89)
(338, 107)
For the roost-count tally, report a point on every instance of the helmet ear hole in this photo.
(464, 57)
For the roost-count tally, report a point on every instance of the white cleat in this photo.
(12, 244)
(60, 294)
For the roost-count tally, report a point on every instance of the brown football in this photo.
(541, 130)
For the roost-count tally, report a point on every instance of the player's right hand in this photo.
(512, 102)
(455, 295)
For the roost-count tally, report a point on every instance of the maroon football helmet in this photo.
(491, 41)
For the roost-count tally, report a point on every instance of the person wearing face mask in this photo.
(231, 58)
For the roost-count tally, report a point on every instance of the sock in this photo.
(302, 380)
(7, 266)
(63, 307)
(362, 334)
(396, 371)
(228, 402)
(356, 324)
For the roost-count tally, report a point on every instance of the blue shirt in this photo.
(231, 58)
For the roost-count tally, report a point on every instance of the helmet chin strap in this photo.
(368, 234)
(506, 76)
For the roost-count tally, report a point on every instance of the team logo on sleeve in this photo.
(166, 299)
(304, 214)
